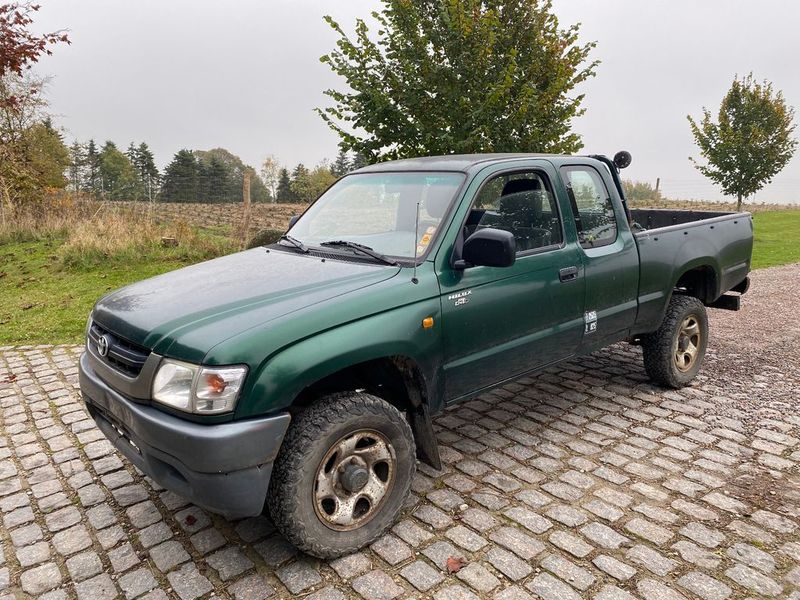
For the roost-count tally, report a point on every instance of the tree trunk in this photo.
(739, 203)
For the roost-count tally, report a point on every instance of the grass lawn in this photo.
(42, 301)
(777, 238)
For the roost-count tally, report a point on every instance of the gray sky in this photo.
(245, 75)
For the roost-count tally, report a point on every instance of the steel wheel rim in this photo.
(339, 507)
(687, 343)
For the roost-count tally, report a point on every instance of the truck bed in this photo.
(674, 242)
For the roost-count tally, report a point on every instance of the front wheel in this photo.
(342, 474)
(674, 353)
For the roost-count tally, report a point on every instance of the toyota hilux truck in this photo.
(300, 378)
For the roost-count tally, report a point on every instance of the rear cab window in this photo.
(591, 204)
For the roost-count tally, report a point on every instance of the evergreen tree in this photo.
(283, 191)
(92, 182)
(341, 166)
(118, 177)
(77, 166)
(181, 178)
(145, 165)
(359, 160)
(301, 184)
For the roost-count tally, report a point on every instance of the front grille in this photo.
(124, 356)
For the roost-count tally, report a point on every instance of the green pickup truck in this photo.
(300, 378)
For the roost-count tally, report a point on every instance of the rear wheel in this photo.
(674, 353)
(342, 475)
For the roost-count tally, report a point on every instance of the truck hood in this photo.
(186, 312)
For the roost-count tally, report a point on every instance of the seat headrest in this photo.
(437, 199)
(521, 185)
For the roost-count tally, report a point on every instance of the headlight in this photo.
(202, 390)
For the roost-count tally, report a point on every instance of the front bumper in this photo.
(224, 468)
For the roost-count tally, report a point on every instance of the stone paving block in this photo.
(229, 563)
(100, 587)
(576, 576)
(83, 566)
(254, 587)
(653, 561)
(391, 549)
(508, 564)
(40, 579)
(71, 540)
(137, 582)
(617, 569)
(704, 586)
(376, 585)
(655, 590)
(421, 575)
(188, 583)
(570, 543)
(298, 576)
(754, 581)
(520, 543)
(649, 531)
(478, 578)
(168, 555)
(465, 538)
(33, 554)
(548, 587)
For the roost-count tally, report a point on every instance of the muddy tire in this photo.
(674, 353)
(342, 475)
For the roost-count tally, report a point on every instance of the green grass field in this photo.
(777, 238)
(44, 300)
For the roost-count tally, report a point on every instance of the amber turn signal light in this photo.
(427, 322)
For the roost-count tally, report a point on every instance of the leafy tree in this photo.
(215, 180)
(118, 177)
(458, 76)
(270, 174)
(301, 184)
(19, 48)
(751, 141)
(641, 191)
(32, 152)
(181, 178)
(320, 179)
(283, 192)
(341, 166)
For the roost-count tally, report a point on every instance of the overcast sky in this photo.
(245, 75)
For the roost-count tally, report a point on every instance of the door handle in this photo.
(568, 274)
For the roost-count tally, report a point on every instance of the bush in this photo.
(264, 238)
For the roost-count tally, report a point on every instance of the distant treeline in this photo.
(214, 175)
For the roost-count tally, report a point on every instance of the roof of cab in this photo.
(450, 162)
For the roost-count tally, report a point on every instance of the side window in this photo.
(591, 205)
(521, 203)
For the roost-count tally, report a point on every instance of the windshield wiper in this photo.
(294, 242)
(363, 249)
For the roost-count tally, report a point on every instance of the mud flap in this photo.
(425, 437)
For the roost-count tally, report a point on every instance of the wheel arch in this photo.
(700, 281)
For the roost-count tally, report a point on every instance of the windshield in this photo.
(379, 210)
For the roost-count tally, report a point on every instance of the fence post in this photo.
(246, 211)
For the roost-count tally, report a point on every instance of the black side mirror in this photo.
(293, 220)
(488, 247)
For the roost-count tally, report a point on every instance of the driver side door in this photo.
(499, 323)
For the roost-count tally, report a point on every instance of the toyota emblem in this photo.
(103, 344)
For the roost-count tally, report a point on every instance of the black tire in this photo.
(660, 347)
(293, 501)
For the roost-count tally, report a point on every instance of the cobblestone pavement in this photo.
(585, 481)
